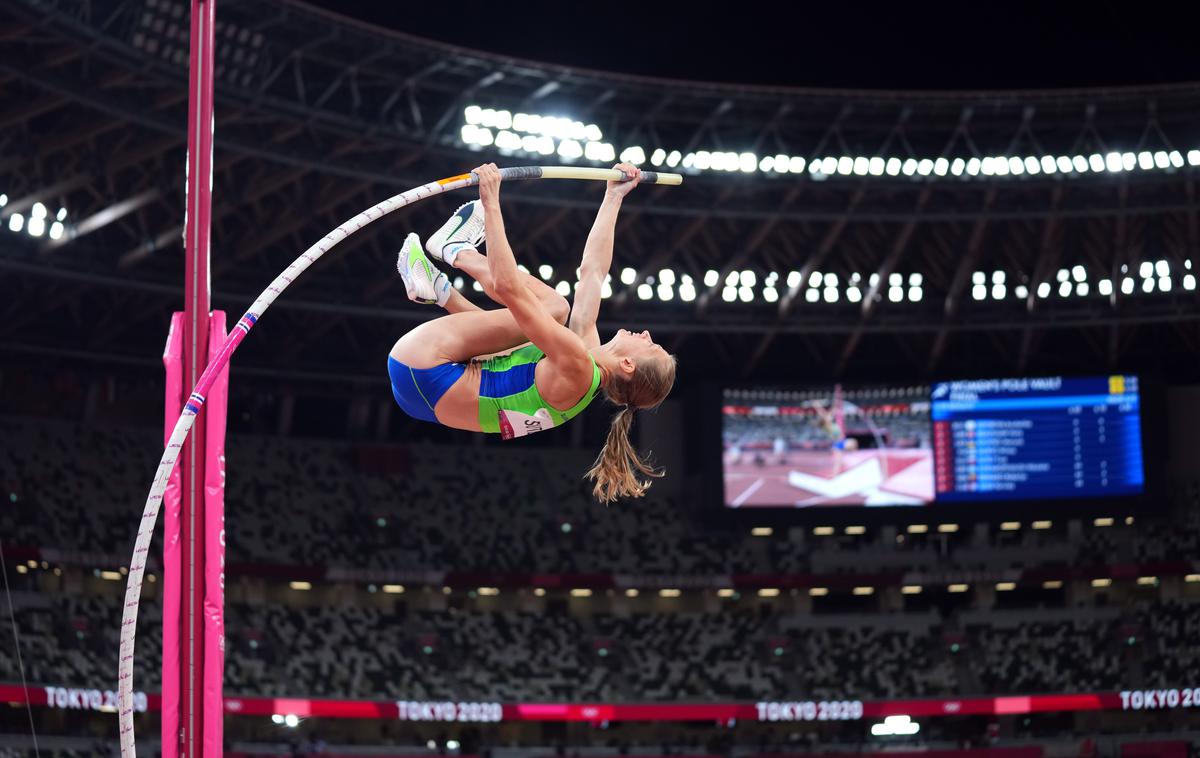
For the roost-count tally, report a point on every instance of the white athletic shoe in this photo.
(423, 283)
(465, 227)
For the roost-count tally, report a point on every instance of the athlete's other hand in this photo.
(489, 184)
(621, 189)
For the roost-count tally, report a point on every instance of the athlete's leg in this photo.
(458, 337)
(473, 264)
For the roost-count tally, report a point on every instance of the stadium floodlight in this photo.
(973, 166)
(895, 294)
(1162, 268)
(911, 589)
(771, 295)
(830, 279)
(729, 294)
(1032, 166)
(1096, 162)
(895, 279)
(910, 166)
(1080, 163)
(37, 226)
(893, 167)
(823, 531)
(999, 291)
(501, 120)
(38, 211)
(1145, 160)
(978, 277)
(1105, 287)
(854, 294)
(666, 276)
(767, 163)
(957, 166)
(863, 591)
(745, 294)
(1006, 586)
(1148, 581)
(1128, 161)
(56, 231)
(875, 166)
(645, 291)
(845, 165)
(828, 166)
(1161, 159)
(947, 528)
(635, 155)
(1043, 290)
(1081, 289)
(628, 276)
(1052, 584)
(658, 156)
(703, 160)
(16, 222)
(796, 164)
(769, 592)
(941, 166)
(987, 166)
(814, 279)
(563, 288)
(998, 277)
(1042, 524)
(599, 151)
(748, 278)
(831, 294)
(1127, 286)
(593, 133)
(546, 271)
(1078, 273)
(473, 114)
(1016, 166)
(924, 167)
(581, 592)
(915, 294)
(570, 149)
(1147, 286)
(1189, 281)
(1164, 284)
(818, 591)
(1113, 163)
(300, 586)
(673, 158)
(917, 528)
(979, 291)
(1146, 270)
(861, 165)
(711, 278)
(665, 293)
(1102, 582)
(1064, 289)
(958, 588)
(1010, 526)
(1048, 164)
(747, 162)
(1064, 164)
(507, 140)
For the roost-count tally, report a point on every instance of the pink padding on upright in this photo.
(214, 544)
(172, 569)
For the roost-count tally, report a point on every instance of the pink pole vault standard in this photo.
(220, 358)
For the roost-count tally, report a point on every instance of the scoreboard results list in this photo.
(1037, 438)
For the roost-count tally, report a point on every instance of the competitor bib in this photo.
(517, 424)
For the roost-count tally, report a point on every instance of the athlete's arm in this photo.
(563, 348)
(597, 258)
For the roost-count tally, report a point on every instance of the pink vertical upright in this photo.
(172, 560)
(214, 545)
(187, 742)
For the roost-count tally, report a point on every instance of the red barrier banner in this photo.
(595, 713)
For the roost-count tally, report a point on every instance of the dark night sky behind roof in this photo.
(971, 44)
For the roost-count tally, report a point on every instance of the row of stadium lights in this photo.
(39, 222)
(741, 285)
(570, 140)
(1073, 282)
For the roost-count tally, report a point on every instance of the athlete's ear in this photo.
(627, 365)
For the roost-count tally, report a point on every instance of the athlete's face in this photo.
(637, 346)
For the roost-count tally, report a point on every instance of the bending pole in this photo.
(137, 566)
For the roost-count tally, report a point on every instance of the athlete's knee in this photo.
(559, 308)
